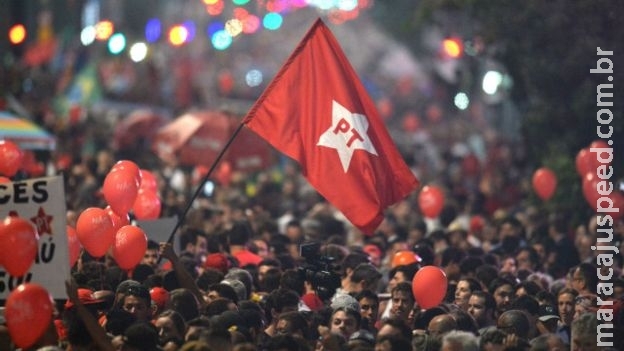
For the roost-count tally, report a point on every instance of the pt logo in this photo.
(348, 132)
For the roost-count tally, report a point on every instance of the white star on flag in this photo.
(348, 132)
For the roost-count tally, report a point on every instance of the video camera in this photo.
(320, 271)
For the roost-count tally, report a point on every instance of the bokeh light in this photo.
(272, 21)
(253, 78)
(87, 35)
(178, 35)
(221, 40)
(251, 24)
(452, 47)
(190, 30)
(104, 30)
(116, 43)
(153, 30)
(240, 2)
(347, 5)
(17, 34)
(215, 9)
(461, 100)
(234, 27)
(138, 52)
(491, 81)
(214, 27)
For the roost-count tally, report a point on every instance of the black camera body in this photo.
(320, 271)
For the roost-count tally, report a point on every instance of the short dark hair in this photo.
(240, 233)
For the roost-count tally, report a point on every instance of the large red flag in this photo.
(317, 112)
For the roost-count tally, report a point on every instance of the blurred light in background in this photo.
(178, 35)
(214, 27)
(234, 27)
(253, 78)
(190, 30)
(221, 40)
(116, 43)
(17, 34)
(153, 30)
(491, 82)
(215, 9)
(461, 100)
(272, 21)
(104, 30)
(87, 35)
(452, 47)
(240, 2)
(251, 24)
(138, 52)
(347, 5)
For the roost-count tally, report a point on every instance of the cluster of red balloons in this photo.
(593, 165)
(431, 201)
(126, 188)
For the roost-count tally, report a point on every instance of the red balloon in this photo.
(544, 183)
(74, 246)
(95, 231)
(118, 221)
(129, 247)
(20, 242)
(120, 189)
(11, 157)
(590, 189)
(4, 180)
(28, 313)
(599, 144)
(147, 205)
(586, 162)
(429, 286)
(431, 201)
(128, 166)
(148, 181)
(402, 258)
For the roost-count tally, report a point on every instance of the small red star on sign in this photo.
(42, 222)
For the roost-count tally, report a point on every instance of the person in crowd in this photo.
(548, 342)
(516, 326)
(440, 325)
(137, 300)
(463, 291)
(369, 309)
(565, 306)
(584, 279)
(459, 341)
(238, 238)
(171, 327)
(482, 307)
(151, 256)
(547, 320)
(402, 301)
(193, 243)
(502, 290)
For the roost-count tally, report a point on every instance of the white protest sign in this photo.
(40, 201)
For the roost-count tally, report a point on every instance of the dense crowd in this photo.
(518, 278)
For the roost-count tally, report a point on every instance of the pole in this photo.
(201, 184)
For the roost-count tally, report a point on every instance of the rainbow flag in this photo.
(26, 134)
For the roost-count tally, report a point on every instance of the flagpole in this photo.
(201, 184)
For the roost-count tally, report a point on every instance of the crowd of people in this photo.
(520, 276)
(518, 279)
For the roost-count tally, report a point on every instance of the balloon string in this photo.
(201, 184)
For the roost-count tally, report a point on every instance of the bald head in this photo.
(514, 322)
(441, 324)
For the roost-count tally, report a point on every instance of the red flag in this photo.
(317, 112)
